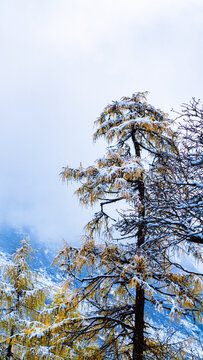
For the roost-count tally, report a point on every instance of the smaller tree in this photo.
(21, 300)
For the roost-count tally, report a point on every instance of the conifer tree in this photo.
(132, 269)
(21, 300)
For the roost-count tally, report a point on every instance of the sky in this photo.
(61, 63)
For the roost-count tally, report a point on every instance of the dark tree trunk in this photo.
(138, 336)
(138, 340)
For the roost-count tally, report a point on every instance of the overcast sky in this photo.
(61, 62)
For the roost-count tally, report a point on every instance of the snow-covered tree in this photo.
(189, 163)
(176, 193)
(131, 266)
(21, 300)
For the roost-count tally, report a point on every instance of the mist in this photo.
(61, 63)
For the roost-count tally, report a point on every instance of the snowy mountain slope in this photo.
(42, 259)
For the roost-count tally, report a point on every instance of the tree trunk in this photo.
(138, 339)
(138, 336)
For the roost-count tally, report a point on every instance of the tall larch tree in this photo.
(127, 269)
